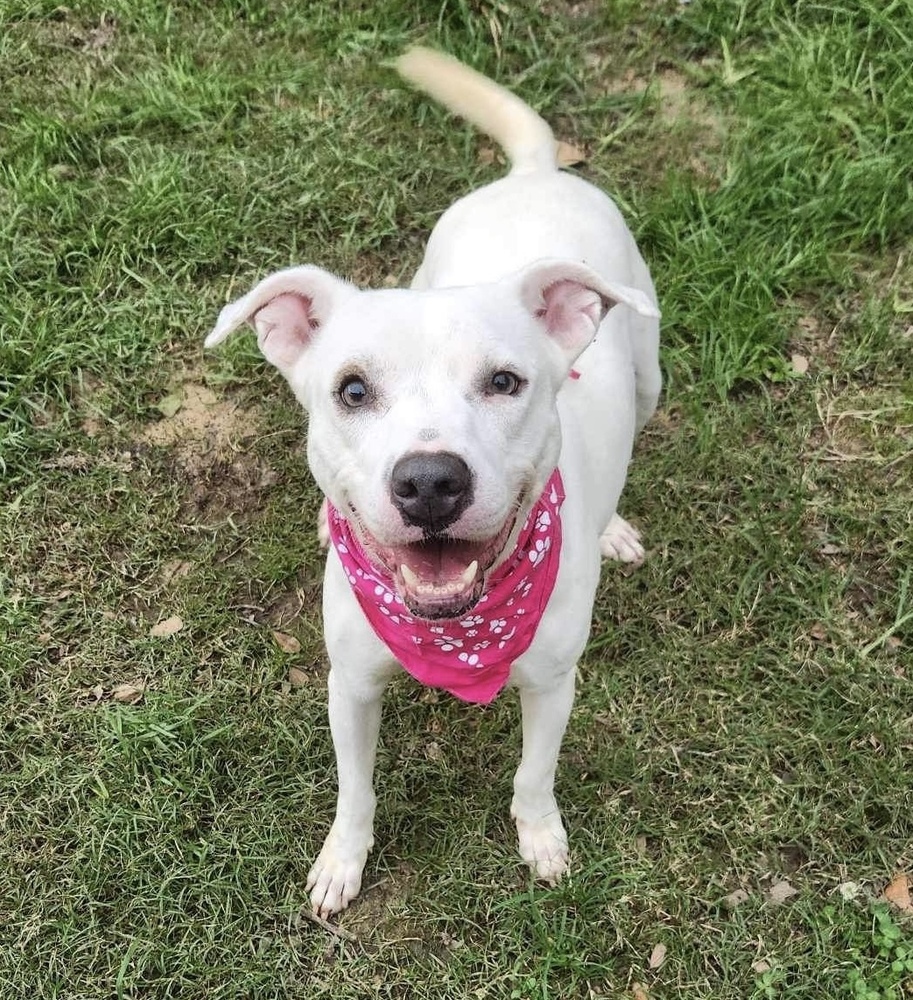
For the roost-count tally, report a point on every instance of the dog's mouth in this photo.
(439, 577)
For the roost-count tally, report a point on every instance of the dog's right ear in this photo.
(286, 309)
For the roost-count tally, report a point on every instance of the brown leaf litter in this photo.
(167, 627)
(897, 893)
(287, 643)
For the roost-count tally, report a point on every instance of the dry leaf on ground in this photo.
(170, 404)
(128, 693)
(296, 677)
(897, 893)
(167, 627)
(639, 992)
(735, 898)
(287, 643)
(779, 892)
(657, 956)
(175, 569)
(570, 156)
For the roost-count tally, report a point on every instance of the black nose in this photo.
(431, 490)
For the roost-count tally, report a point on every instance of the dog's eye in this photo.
(354, 392)
(505, 384)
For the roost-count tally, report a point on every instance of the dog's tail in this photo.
(518, 130)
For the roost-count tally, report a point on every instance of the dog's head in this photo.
(433, 424)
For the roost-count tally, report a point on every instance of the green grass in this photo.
(744, 711)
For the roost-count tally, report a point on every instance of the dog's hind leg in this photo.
(620, 540)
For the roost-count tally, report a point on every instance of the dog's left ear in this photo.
(287, 310)
(571, 300)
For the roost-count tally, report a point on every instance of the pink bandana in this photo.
(470, 656)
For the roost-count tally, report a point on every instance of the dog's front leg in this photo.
(355, 711)
(543, 841)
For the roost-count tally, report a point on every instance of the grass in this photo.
(744, 713)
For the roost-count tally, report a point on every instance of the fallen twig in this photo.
(333, 929)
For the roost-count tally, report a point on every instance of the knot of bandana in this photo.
(469, 656)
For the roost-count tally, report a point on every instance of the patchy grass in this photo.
(736, 775)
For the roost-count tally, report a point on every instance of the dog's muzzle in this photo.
(439, 575)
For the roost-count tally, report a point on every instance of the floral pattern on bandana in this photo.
(469, 656)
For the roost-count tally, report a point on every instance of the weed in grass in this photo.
(878, 963)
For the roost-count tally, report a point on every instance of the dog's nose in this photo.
(431, 490)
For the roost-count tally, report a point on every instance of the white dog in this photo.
(472, 436)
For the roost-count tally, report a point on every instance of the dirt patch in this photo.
(692, 132)
(66, 30)
(379, 918)
(819, 332)
(677, 98)
(202, 428)
(209, 441)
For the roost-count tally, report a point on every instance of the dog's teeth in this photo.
(469, 574)
(422, 589)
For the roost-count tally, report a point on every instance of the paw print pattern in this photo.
(539, 550)
(505, 639)
(448, 643)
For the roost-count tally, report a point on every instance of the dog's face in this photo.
(433, 424)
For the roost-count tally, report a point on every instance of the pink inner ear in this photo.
(284, 328)
(572, 312)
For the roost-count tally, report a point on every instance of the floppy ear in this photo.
(286, 309)
(571, 300)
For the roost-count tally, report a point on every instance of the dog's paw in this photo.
(323, 525)
(621, 541)
(335, 877)
(543, 846)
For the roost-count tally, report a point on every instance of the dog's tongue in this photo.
(438, 562)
